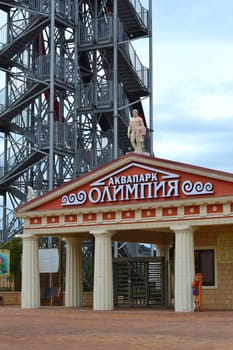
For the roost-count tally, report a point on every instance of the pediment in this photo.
(132, 179)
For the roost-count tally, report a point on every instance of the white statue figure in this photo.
(31, 193)
(136, 131)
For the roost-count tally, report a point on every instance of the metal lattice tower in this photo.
(70, 77)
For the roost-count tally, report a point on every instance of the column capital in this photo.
(101, 233)
(29, 236)
(183, 229)
(72, 239)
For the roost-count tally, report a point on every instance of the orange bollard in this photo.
(197, 292)
(200, 291)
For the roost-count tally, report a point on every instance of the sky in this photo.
(193, 81)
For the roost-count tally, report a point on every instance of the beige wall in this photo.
(219, 297)
(14, 298)
(11, 298)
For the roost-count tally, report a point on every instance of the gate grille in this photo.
(140, 282)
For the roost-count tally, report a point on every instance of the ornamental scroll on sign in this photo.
(225, 247)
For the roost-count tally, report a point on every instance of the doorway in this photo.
(140, 282)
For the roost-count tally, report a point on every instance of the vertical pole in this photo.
(115, 250)
(51, 111)
(4, 223)
(51, 98)
(151, 78)
(94, 117)
(152, 250)
(200, 292)
(4, 237)
(75, 173)
(115, 79)
(115, 92)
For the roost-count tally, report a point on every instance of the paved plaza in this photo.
(69, 328)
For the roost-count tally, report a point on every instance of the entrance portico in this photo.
(135, 198)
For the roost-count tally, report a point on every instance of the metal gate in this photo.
(140, 282)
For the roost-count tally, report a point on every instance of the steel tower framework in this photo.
(71, 77)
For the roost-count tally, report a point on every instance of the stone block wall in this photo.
(11, 298)
(14, 298)
(220, 296)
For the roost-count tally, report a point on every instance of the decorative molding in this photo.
(197, 188)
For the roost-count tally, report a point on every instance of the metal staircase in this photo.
(64, 91)
(134, 18)
(20, 38)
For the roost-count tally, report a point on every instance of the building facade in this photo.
(137, 198)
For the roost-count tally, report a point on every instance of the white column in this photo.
(73, 289)
(30, 295)
(103, 274)
(162, 250)
(184, 268)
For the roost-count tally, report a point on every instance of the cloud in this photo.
(208, 149)
(193, 20)
(205, 100)
(193, 82)
(191, 130)
(175, 62)
(213, 106)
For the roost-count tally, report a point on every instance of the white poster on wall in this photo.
(49, 260)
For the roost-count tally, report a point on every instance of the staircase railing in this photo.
(19, 90)
(142, 12)
(10, 226)
(20, 25)
(64, 69)
(20, 151)
(15, 156)
(105, 33)
(21, 21)
(101, 94)
(64, 72)
(133, 59)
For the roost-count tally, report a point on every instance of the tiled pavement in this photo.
(61, 328)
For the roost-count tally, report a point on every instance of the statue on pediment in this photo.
(137, 132)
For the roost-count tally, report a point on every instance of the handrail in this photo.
(20, 24)
(3, 35)
(64, 71)
(105, 33)
(15, 95)
(133, 59)
(142, 12)
(22, 149)
(14, 157)
(64, 9)
(10, 226)
(101, 93)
